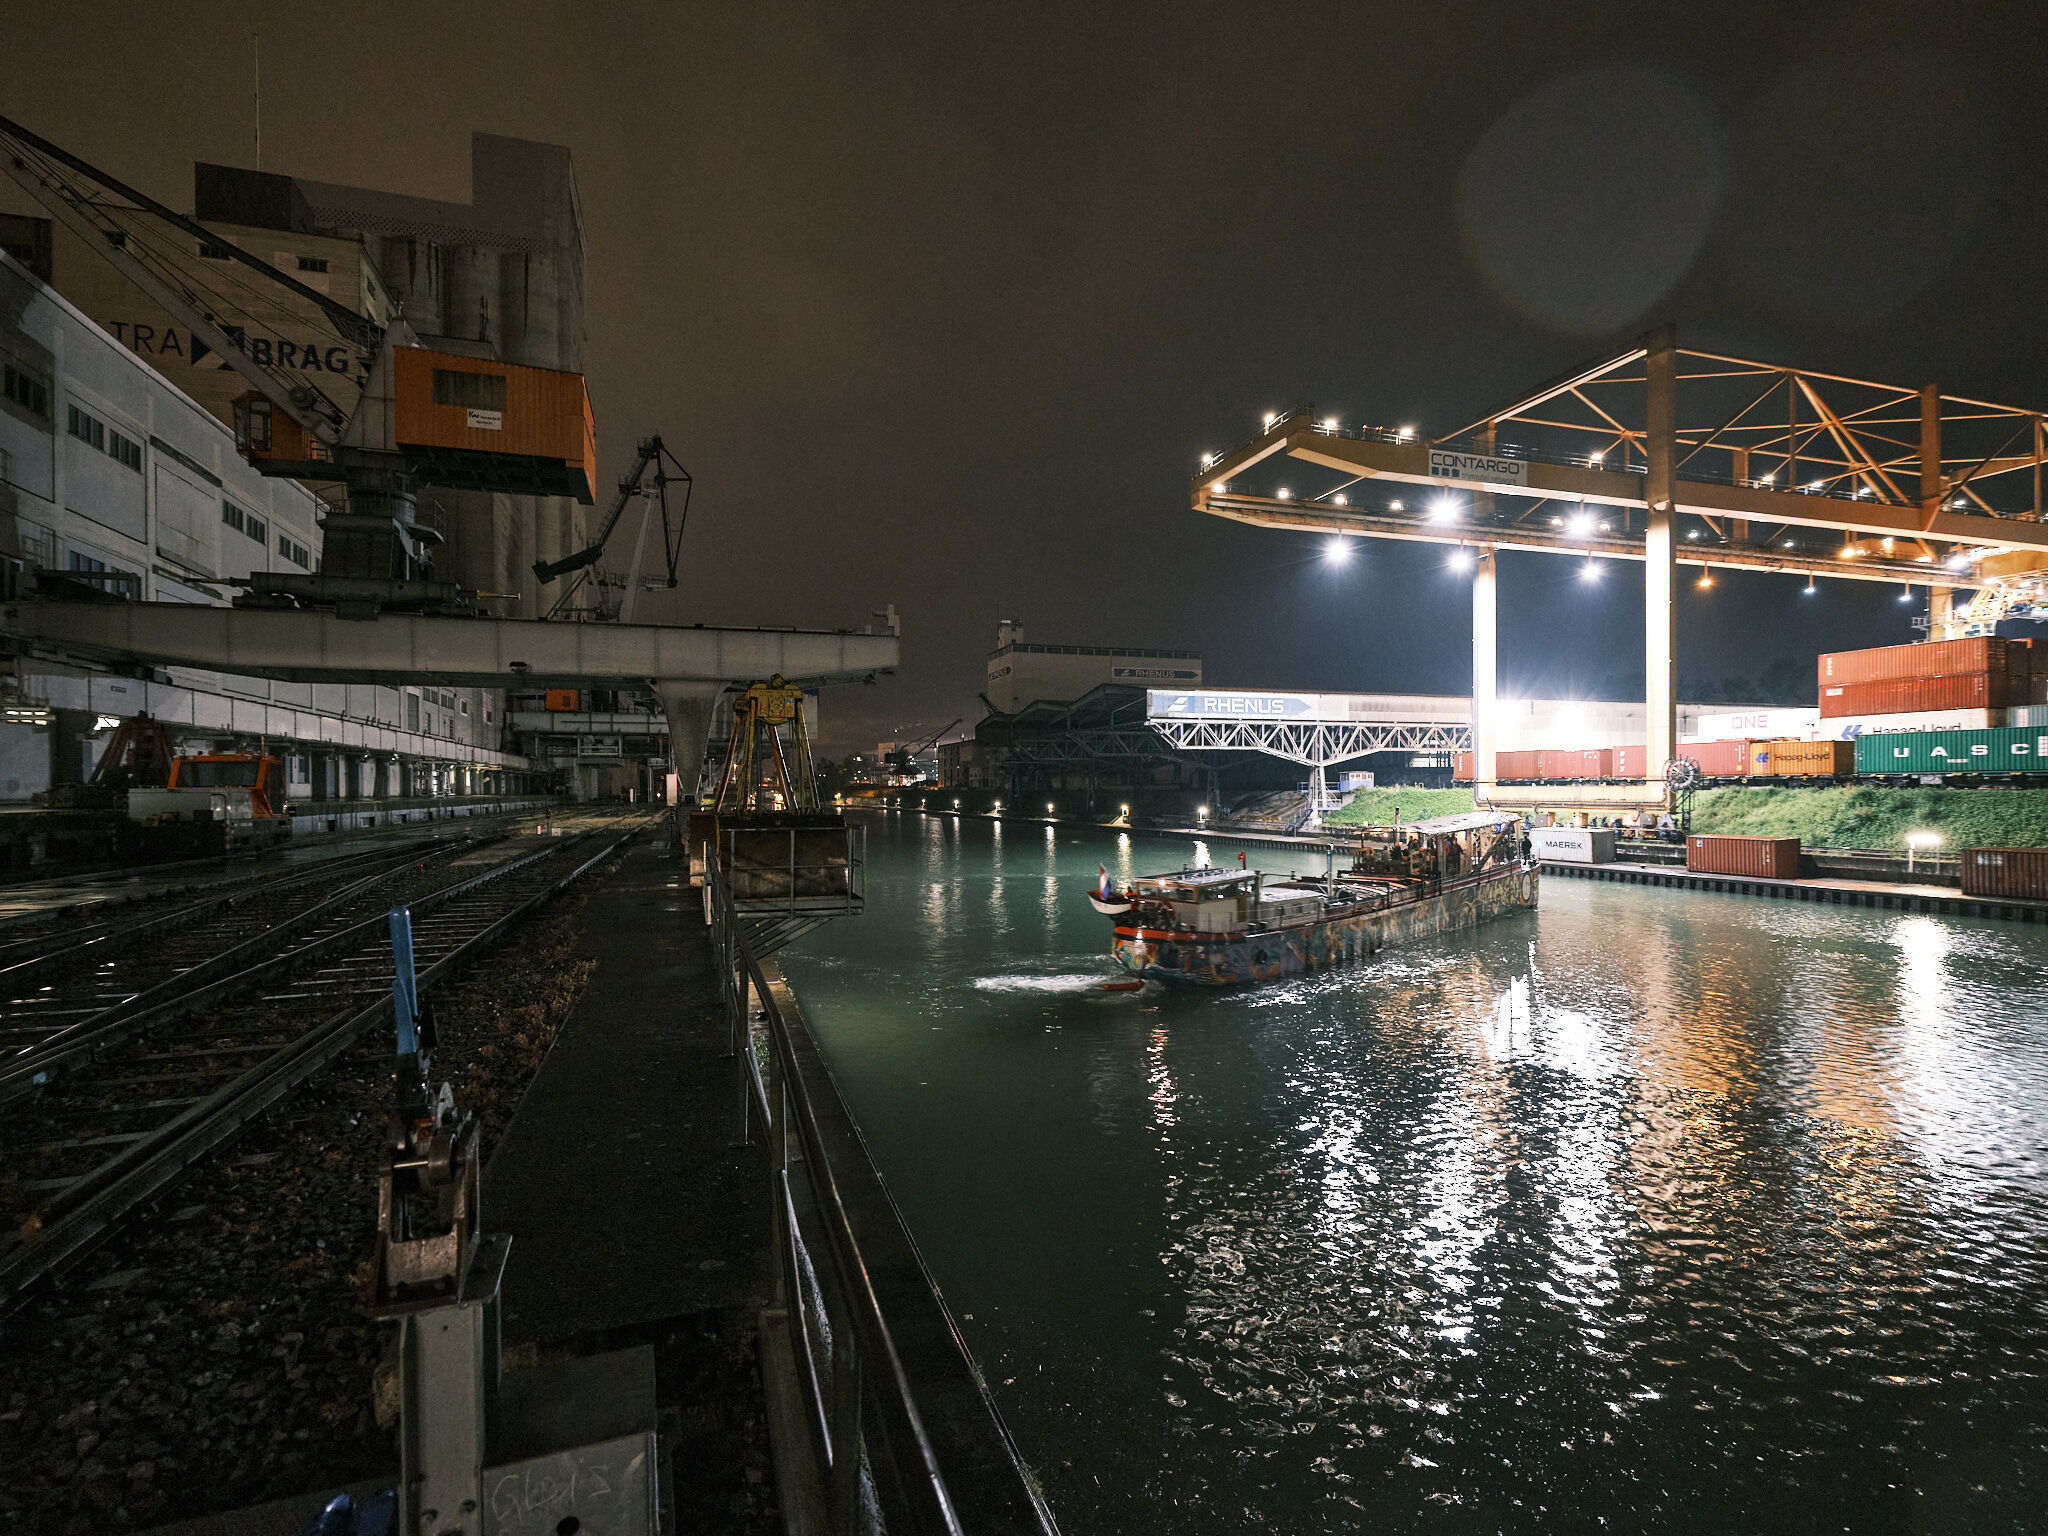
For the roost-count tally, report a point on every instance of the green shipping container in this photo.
(2003, 751)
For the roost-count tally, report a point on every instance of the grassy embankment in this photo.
(1861, 816)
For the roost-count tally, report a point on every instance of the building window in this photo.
(86, 562)
(86, 428)
(412, 711)
(478, 391)
(256, 528)
(128, 452)
(312, 263)
(232, 515)
(294, 551)
(27, 391)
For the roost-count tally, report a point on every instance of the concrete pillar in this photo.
(1660, 549)
(70, 737)
(688, 707)
(1485, 659)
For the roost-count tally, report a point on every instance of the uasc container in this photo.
(1909, 695)
(2020, 872)
(2008, 750)
(1769, 858)
(1932, 658)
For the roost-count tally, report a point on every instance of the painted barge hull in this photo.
(1229, 961)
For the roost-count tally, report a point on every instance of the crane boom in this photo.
(653, 454)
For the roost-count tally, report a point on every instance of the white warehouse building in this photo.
(113, 478)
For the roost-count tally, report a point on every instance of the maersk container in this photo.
(2006, 751)
(2020, 872)
(1912, 695)
(1769, 858)
(1718, 759)
(1573, 845)
(1930, 658)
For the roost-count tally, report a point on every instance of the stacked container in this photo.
(1982, 672)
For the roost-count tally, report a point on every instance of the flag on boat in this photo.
(1102, 881)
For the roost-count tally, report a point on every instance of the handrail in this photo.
(919, 1485)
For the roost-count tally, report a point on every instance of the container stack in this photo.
(1951, 685)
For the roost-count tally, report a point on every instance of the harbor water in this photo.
(1651, 1210)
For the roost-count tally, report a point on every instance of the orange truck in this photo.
(236, 798)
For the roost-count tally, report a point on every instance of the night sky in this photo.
(940, 304)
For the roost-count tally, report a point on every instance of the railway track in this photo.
(153, 1094)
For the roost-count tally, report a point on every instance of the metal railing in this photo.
(880, 1459)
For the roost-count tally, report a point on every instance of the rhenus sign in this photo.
(1171, 704)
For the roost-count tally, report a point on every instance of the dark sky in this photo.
(940, 303)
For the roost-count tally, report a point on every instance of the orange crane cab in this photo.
(238, 797)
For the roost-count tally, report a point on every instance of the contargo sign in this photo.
(1446, 465)
(1171, 704)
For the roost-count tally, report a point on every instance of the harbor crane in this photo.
(401, 417)
(636, 485)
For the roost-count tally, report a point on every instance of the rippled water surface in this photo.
(1653, 1210)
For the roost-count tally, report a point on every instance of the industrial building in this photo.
(1020, 674)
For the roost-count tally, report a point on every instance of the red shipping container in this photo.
(1932, 658)
(1514, 765)
(1575, 763)
(1718, 759)
(1631, 762)
(1909, 695)
(2021, 872)
(1769, 858)
(1461, 765)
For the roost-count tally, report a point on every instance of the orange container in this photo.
(1809, 759)
(1575, 763)
(1768, 858)
(1631, 762)
(1461, 766)
(2020, 872)
(1718, 759)
(563, 700)
(1910, 695)
(1514, 765)
(452, 407)
(1933, 658)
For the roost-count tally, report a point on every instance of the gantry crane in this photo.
(402, 417)
(653, 455)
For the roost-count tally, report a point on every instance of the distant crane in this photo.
(653, 455)
(399, 418)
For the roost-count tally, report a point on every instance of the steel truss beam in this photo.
(1313, 743)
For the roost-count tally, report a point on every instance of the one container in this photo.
(1906, 695)
(1769, 858)
(1631, 762)
(2021, 872)
(1573, 845)
(1570, 763)
(1718, 759)
(1811, 759)
(2001, 752)
(1932, 658)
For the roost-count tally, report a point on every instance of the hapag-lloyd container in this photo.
(1912, 695)
(1768, 858)
(1932, 658)
(1806, 759)
(2003, 751)
(2019, 872)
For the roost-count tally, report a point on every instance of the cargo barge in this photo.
(1229, 927)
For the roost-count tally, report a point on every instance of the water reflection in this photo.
(1652, 1210)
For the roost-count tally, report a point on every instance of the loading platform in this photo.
(1940, 900)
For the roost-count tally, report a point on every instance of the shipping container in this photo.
(1769, 858)
(2020, 872)
(1808, 759)
(563, 699)
(1931, 658)
(502, 426)
(1718, 759)
(1631, 762)
(1849, 727)
(2000, 752)
(1907, 695)
(1508, 766)
(1568, 763)
(2028, 714)
(1573, 845)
